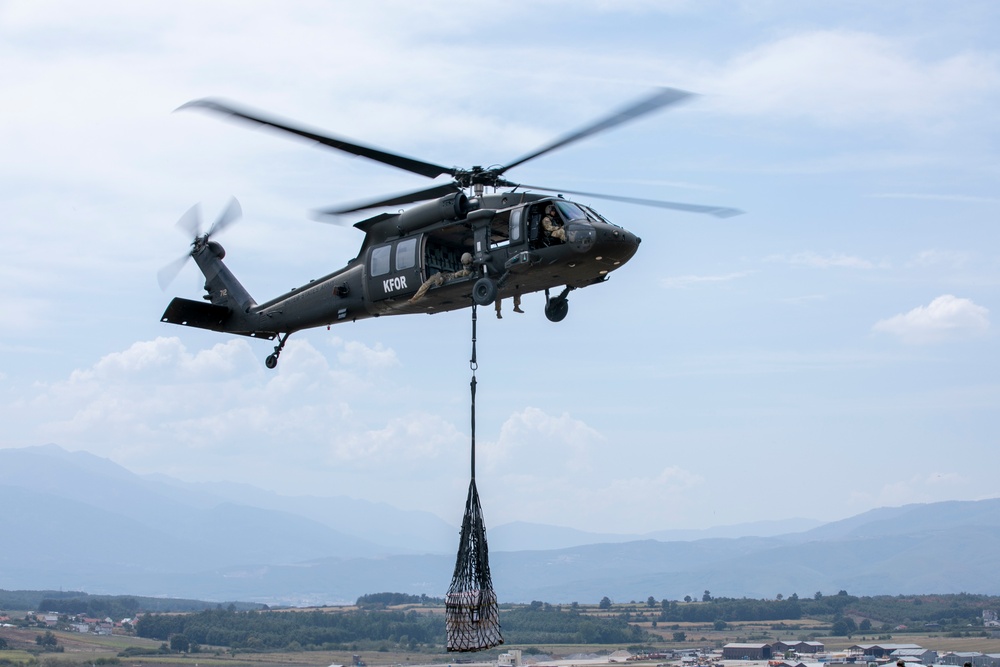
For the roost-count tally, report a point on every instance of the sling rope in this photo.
(471, 613)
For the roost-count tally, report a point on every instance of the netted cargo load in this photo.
(472, 615)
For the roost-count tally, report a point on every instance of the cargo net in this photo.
(472, 616)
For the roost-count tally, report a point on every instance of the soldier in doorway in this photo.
(439, 279)
(517, 306)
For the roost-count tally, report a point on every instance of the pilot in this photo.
(439, 279)
(552, 225)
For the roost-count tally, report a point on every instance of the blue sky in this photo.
(831, 351)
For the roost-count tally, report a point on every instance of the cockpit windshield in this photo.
(594, 215)
(570, 211)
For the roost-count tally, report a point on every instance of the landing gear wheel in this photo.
(556, 310)
(272, 359)
(484, 291)
(556, 307)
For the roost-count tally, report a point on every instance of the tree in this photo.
(687, 598)
(650, 601)
(179, 643)
(680, 637)
(706, 596)
(779, 596)
(866, 626)
(818, 596)
(605, 603)
(47, 640)
(844, 627)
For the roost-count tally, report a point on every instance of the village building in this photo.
(924, 656)
(799, 647)
(878, 651)
(511, 658)
(975, 657)
(740, 651)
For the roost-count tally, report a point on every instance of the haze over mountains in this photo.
(80, 522)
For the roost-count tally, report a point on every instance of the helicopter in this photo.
(462, 246)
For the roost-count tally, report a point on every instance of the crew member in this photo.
(552, 225)
(517, 306)
(439, 279)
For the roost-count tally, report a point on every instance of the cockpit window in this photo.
(570, 211)
(594, 215)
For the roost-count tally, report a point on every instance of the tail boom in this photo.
(201, 315)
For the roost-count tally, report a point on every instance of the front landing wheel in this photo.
(484, 291)
(556, 310)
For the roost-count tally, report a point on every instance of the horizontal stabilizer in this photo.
(205, 316)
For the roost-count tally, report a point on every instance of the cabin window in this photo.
(515, 225)
(406, 254)
(380, 260)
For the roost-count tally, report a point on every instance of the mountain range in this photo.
(75, 521)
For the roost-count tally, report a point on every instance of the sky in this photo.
(832, 350)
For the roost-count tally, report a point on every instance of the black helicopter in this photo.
(441, 255)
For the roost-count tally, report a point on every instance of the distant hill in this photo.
(80, 522)
(524, 536)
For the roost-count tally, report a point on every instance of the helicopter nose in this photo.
(614, 246)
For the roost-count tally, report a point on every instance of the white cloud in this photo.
(832, 260)
(671, 480)
(946, 317)
(690, 280)
(919, 488)
(805, 298)
(962, 199)
(355, 353)
(949, 258)
(550, 445)
(413, 437)
(841, 76)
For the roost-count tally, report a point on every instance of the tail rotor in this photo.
(190, 224)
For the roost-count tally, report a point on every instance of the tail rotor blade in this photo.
(190, 222)
(168, 273)
(231, 214)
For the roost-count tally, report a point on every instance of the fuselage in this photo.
(521, 257)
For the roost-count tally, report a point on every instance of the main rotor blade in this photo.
(231, 214)
(403, 198)
(663, 97)
(717, 211)
(392, 159)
